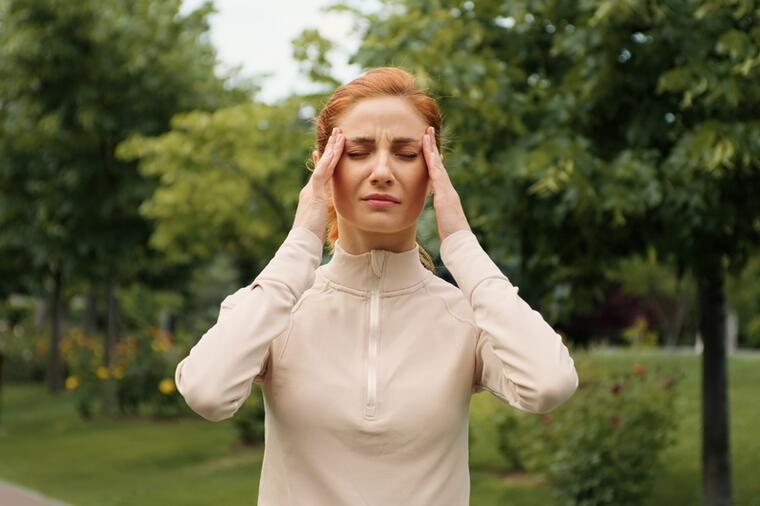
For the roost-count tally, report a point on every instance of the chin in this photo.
(378, 223)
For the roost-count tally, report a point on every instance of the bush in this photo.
(249, 420)
(519, 439)
(23, 344)
(141, 371)
(603, 446)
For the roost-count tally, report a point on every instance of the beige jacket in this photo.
(367, 365)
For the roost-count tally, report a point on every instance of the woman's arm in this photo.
(217, 375)
(519, 356)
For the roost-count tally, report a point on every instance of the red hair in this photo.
(380, 81)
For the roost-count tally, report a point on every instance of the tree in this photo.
(228, 181)
(587, 131)
(76, 78)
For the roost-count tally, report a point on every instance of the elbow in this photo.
(209, 408)
(203, 398)
(555, 393)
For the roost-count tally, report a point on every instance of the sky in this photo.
(256, 34)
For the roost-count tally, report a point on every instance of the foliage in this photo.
(228, 180)
(639, 334)
(249, 420)
(76, 79)
(743, 293)
(21, 342)
(603, 446)
(142, 368)
(585, 131)
(668, 295)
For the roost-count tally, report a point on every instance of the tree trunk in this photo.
(109, 385)
(166, 321)
(91, 311)
(716, 462)
(40, 312)
(55, 369)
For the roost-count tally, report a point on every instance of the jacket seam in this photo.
(293, 310)
(383, 293)
(257, 280)
(477, 331)
(494, 276)
(448, 310)
(496, 393)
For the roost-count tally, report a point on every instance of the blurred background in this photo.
(607, 154)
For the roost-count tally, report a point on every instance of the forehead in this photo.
(382, 117)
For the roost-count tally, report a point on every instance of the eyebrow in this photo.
(397, 141)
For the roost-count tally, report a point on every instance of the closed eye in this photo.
(408, 156)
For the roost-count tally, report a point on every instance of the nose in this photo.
(381, 171)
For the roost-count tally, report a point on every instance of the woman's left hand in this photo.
(449, 214)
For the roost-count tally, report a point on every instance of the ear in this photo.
(315, 157)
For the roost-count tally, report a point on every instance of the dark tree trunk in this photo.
(91, 311)
(716, 462)
(109, 386)
(166, 321)
(55, 368)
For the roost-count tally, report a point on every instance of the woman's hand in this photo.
(449, 214)
(312, 200)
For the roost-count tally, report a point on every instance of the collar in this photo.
(376, 269)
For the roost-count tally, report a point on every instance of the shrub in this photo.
(142, 367)
(603, 446)
(23, 344)
(249, 420)
(519, 439)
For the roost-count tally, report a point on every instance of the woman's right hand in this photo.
(313, 198)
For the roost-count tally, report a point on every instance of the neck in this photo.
(356, 241)
(376, 269)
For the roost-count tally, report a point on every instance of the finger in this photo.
(330, 158)
(436, 156)
(326, 153)
(340, 141)
(430, 161)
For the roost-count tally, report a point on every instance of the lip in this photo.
(381, 197)
(380, 203)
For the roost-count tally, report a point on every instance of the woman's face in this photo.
(382, 154)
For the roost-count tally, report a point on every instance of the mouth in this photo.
(381, 203)
(382, 198)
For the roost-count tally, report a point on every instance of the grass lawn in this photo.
(45, 446)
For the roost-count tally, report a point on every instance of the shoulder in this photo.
(452, 297)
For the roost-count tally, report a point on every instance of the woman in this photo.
(368, 362)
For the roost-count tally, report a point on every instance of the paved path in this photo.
(15, 495)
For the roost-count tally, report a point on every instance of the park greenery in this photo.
(607, 154)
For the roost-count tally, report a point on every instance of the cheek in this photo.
(343, 190)
(420, 180)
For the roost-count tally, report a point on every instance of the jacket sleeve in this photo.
(519, 357)
(216, 377)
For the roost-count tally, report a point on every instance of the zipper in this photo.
(372, 351)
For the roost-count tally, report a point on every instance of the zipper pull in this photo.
(377, 261)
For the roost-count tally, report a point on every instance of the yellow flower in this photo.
(102, 372)
(118, 371)
(72, 383)
(166, 386)
(159, 345)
